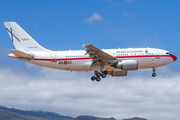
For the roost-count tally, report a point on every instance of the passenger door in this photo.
(53, 57)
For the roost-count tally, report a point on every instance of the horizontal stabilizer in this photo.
(21, 54)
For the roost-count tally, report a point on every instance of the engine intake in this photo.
(127, 65)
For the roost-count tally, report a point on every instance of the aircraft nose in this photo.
(174, 57)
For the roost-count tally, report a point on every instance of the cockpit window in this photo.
(168, 53)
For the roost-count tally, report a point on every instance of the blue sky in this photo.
(131, 23)
(62, 25)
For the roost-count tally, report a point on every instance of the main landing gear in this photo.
(98, 75)
(154, 74)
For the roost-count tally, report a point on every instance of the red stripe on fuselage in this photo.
(59, 59)
(86, 58)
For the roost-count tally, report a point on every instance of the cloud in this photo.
(31, 87)
(93, 18)
(130, 1)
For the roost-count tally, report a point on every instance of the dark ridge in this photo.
(41, 114)
(135, 118)
(6, 115)
(86, 117)
(15, 114)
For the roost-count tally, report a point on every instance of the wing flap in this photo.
(91, 50)
(95, 52)
(98, 56)
(21, 54)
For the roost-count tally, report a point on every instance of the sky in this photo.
(63, 25)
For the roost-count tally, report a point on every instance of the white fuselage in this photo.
(114, 62)
(79, 61)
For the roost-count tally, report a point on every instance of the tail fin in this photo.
(21, 40)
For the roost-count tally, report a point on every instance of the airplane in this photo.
(114, 62)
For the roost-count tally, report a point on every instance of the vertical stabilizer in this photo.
(21, 40)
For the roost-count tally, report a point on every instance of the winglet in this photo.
(83, 44)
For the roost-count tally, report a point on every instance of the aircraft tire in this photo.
(154, 74)
(103, 75)
(93, 78)
(98, 74)
(98, 79)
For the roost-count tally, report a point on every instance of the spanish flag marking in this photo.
(146, 50)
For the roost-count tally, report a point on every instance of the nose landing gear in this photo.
(154, 74)
(98, 75)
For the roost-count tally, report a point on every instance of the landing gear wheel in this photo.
(98, 74)
(93, 78)
(154, 74)
(103, 75)
(98, 79)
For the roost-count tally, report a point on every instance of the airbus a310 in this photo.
(114, 62)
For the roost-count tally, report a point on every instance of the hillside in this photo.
(15, 114)
(6, 115)
(135, 118)
(38, 114)
(92, 118)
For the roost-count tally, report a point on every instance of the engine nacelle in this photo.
(127, 65)
(117, 73)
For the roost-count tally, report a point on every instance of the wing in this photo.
(98, 56)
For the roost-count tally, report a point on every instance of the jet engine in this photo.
(117, 73)
(127, 65)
